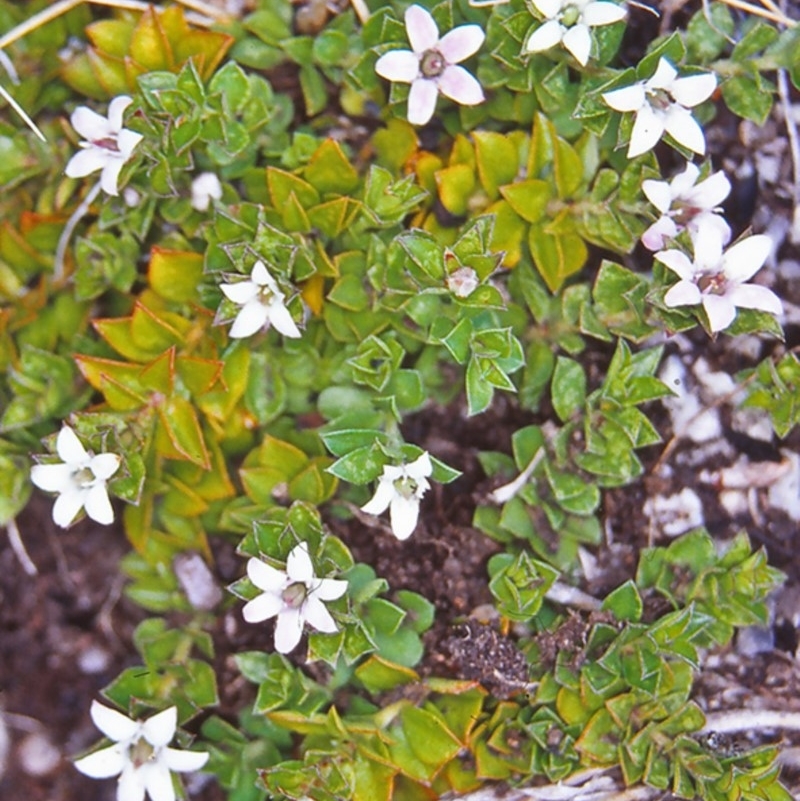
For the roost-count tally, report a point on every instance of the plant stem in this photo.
(18, 547)
(66, 234)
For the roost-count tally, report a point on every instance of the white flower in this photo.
(463, 282)
(568, 23)
(662, 103)
(295, 595)
(80, 481)
(400, 490)
(262, 305)
(717, 279)
(205, 188)
(140, 754)
(430, 66)
(684, 203)
(106, 146)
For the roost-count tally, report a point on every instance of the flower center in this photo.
(84, 477)
(295, 595)
(406, 487)
(713, 284)
(659, 99)
(570, 15)
(109, 143)
(266, 295)
(432, 64)
(141, 752)
(684, 214)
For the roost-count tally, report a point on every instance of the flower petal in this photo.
(265, 577)
(548, 8)
(648, 128)
(684, 293)
(104, 465)
(115, 110)
(663, 77)
(379, 503)
(693, 89)
(160, 729)
(330, 589)
(578, 41)
(109, 178)
(602, 14)
(403, 513)
(421, 29)
(103, 763)
(683, 183)
(421, 467)
(459, 85)
(86, 161)
(545, 37)
(67, 506)
(720, 310)
(398, 65)
(659, 232)
(754, 296)
(461, 43)
(684, 129)
(252, 318)
(52, 477)
(422, 101)
(127, 142)
(710, 193)
(678, 262)
(184, 761)
(744, 259)
(288, 630)
(317, 615)
(98, 506)
(659, 193)
(298, 565)
(260, 276)
(628, 98)
(262, 607)
(241, 292)
(112, 723)
(281, 319)
(158, 781)
(131, 784)
(90, 125)
(69, 447)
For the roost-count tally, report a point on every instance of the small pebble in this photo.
(93, 660)
(197, 581)
(37, 755)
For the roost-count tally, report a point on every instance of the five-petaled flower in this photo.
(568, 22)
(684, 203)
(717, 279)
(262, 303)
(80, 481)
(295, 595)
(140, 754)
(400, 489)
(431, 65)
(106, 146)
(662, 103)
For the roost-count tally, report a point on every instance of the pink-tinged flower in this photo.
(295, 595)
(684, 203)
(662, 103)
(140, 755)
(106, 146)
(262, 303)
(80, 481)
(569, 22)
(463, 282)
(431, 65)
(717, 279)
(400, 489)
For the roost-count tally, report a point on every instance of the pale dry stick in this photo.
(66, 234)
(748, 719)
(63, 6)
(770, 12)
(794, 149)
(21, 111)
(362, 12)
(18, 546)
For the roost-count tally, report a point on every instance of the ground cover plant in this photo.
(358, 324)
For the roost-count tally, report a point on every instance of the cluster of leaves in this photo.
(438, 267)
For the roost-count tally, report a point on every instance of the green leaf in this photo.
(568, 388)
(625, 602)
(748, 97)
